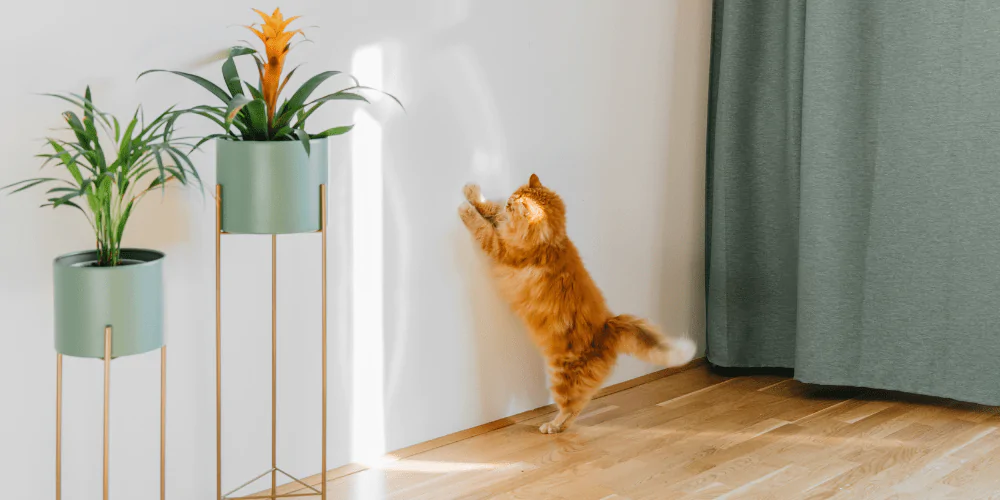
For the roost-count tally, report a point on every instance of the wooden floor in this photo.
(699, 435)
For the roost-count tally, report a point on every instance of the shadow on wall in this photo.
(510, 371)
(500, 338)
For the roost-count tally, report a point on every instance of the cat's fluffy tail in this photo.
(639, 338)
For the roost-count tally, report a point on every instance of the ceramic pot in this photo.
(128, 297)
(271, 187)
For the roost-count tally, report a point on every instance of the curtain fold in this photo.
(854, 193)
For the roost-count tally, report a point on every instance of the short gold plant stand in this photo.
(107, 312)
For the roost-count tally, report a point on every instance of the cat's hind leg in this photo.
(573, 386)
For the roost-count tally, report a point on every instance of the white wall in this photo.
(604, 100)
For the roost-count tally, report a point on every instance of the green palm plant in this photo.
(251, 112)
(146, 157)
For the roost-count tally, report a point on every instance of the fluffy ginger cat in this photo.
(540, 273)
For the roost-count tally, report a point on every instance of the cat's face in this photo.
(534, 214)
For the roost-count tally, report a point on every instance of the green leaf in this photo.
(91, 127)
(88, 115)
(88, 102)
(82, 153)
(80, 102)
(217, 115)
(219, 111)
(336, 96)
(362, 87)
(67, 160)
(121, 222)
(155, 125)
(342, 95)
(28, 184)
(77, 103)
(74, 205)
(160, 167)
(88, 144)
(300, 96)
(254, 91)
(283, 131)
(260, 70)
(257, 127)
(126, 143)
(287, 78)
(104, 189)
(177, 172)
(182, 161)
(235, 105)
(232, 77)
(78, 128)
(304, 137)
(332, 131)
(209, 138)
(239, 50)
(207, 85)
(63, 202)
(92, 200)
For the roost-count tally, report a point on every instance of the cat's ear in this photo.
(534, 182)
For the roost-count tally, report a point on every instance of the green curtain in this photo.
(854, 193)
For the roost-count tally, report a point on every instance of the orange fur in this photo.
(542, 276)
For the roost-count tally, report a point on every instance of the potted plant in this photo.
(268, 165)
(111, 285)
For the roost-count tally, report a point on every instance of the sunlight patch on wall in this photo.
(368, 384)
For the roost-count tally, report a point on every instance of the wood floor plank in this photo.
(697, 435)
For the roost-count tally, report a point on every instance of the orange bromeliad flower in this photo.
(251, 112)
(276, 45)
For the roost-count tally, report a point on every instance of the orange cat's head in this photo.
(534, 215)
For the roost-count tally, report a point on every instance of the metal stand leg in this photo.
(218, 342)
(163, 423)
(107, 401)
(322, 218)
(274, 365)
(58, 426)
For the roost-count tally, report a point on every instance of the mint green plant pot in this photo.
(128, 297)
(271, 187)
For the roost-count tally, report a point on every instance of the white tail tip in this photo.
(681, 351)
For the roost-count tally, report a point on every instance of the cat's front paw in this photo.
(468, 213)
(550, 428)
(473, 193)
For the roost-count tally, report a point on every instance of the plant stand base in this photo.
(273, 472)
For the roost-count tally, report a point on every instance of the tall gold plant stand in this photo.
(108, 332)
(274, 471)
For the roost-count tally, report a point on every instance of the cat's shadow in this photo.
(511, 371)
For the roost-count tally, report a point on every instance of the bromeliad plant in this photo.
(257, 116)
(146, 157)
